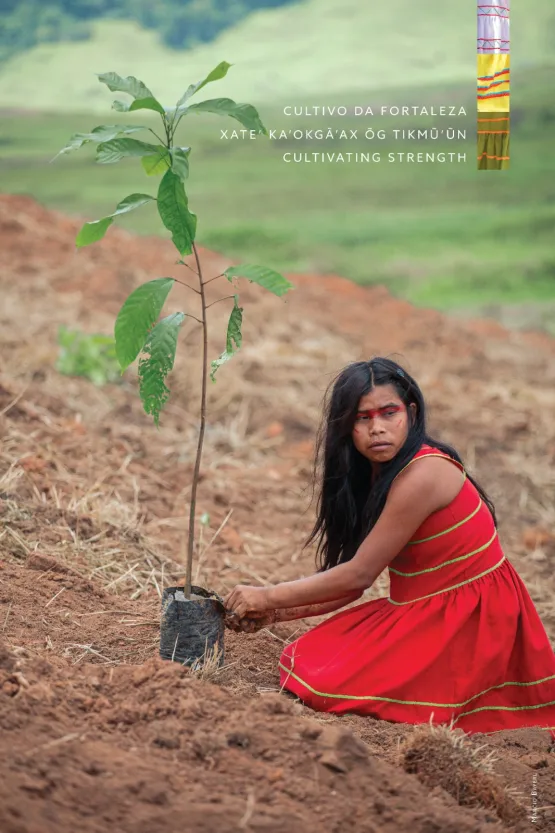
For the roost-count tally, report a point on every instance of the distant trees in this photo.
(181, 23)
(23, 23)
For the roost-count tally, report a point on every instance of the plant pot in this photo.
(192, 630)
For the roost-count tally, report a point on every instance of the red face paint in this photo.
(388, 411)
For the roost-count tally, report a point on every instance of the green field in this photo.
(443, 235)
(313, 48)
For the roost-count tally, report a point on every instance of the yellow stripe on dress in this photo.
(425, 702)
(504, 709)
(430, 454)
(518, 729)
(454, 586)
(445, 563)
(451, 528)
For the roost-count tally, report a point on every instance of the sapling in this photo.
(139, 331)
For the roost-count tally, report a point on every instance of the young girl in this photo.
(458, 640)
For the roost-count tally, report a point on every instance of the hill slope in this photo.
(179, 23)
(317, 47)
(93, 503)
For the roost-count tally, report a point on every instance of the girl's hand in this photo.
(244, 600)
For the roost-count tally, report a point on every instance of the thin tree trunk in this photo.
(191, 542)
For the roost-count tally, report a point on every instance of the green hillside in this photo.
(447, 236)
(179, 23)
(316, 48)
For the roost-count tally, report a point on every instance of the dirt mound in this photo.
(148, 747)
(96, 732)
(437, 757)
(53, 612)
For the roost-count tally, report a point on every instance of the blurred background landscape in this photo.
(441, 235)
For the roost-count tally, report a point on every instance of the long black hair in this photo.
(348, 503)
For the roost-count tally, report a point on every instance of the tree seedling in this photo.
(139, 331)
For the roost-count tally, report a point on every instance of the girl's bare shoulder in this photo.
(435, 476)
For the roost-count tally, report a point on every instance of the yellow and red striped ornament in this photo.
(493, 87)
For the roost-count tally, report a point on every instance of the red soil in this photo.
(99, 734)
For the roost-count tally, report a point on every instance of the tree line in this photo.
(180, 23)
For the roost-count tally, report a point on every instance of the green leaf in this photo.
(132, 202)
(116, 149)
(95, 231)
(144, 99)
(173, 207)
(156, 165)
(270, 280)
(158, 361)
(137, 316)
(102, 133)
(219, 72)
(180, 162)
(234, 336)
(92, 232)
(244, 113)
(149, 103)
(130, 85)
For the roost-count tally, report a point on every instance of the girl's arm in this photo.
(419, 491)
(288, 614)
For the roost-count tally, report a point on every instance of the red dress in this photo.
(459, 638)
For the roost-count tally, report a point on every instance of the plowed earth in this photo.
(99, 734)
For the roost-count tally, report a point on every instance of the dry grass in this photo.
(91, 483)
(108, 493)
(446, 757)
(112, 518)
(87, 479)
(210, 667)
